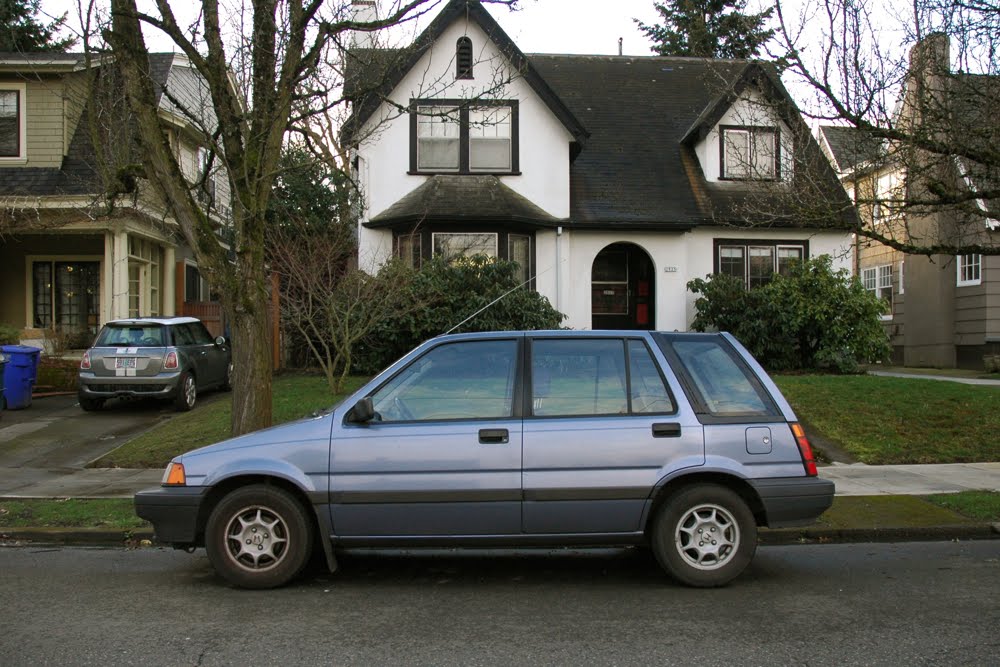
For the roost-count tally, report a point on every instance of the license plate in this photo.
(124, 362)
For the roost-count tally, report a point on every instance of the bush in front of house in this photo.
(448, 294)
(9, 335)
(812, 318)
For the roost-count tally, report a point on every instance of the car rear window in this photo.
(724, 387)
(131, 335)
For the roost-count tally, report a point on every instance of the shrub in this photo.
(9, 335)
(458, 295)
(812, 318)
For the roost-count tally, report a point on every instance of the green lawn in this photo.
(886, 420)
(981, 505)
(293, 397)
(111, 513)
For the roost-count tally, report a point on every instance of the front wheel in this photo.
(187, 392)
(704, 535)
(91, 404)
(258, 537)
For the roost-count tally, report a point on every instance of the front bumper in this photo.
(173, 511)
(793, 501)
(162, 385)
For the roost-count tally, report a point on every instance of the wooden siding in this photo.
(45, 116)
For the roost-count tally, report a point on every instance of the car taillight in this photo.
(85, 361)
(170, 362)
(805, 449)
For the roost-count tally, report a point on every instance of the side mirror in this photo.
(362, 412)
(220, 341)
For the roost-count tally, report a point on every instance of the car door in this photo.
(202, 352)
(603, 429)
(443, 455)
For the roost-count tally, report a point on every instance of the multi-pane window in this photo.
(10, 123)
(754, 262)
(143, 277)
(878, 279)
(970, 269)
(456, 245)
(451, 136)
(749, 153)
(438, 140)
(66, 295)
(195, 286)
(408, 250)
(889, 197)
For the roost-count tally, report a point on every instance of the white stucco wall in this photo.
(385, 154)
(677, 258)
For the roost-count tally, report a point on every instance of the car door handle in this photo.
(666, 430)
(494, 436)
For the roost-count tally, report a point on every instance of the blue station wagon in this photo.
(676, 440)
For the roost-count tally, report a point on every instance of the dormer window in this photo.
(12, 121)
(749, 153)
(449, 136)
(463, 58)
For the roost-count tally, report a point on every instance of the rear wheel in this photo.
(258, 537)
(227, 382)
(704, 535)
(187, 392)
(91, 404)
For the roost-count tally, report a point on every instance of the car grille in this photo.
(134, 388)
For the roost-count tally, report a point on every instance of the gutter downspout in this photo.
(559, 231)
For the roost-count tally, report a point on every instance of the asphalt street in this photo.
(891, 604)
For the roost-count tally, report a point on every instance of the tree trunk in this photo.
(251, 336)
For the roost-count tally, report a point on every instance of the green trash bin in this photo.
(19, 375)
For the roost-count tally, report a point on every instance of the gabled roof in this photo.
(372, 74)
(456, 199)
(850, 147)
(79, 172)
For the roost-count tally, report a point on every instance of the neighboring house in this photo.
(953, 318)
(612, 181)
(83, 238)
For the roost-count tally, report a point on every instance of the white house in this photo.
(612, 181)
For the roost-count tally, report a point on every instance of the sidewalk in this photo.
(852, 480)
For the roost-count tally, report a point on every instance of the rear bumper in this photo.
(173, 511)
(163, 385)
(793, 501)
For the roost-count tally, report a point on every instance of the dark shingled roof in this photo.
(851, 146)
(453, 198)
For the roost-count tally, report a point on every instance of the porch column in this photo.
(168, 282)
(107, 277)
(119, 276)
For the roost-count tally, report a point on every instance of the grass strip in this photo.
(980, 505)
(292, 397)
(110, 513)
(888, 420)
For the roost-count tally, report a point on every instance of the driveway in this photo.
(54, 434)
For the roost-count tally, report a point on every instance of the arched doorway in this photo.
(623, 288)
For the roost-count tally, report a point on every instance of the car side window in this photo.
(722, 384)
(578, 377)
(182, 336)
(464, 380)
(648, 391)
(199, 333)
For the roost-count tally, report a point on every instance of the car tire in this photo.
(187, 392)
(258, 536)
(704, 535)
(91, 404)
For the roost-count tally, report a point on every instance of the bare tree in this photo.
(264, 70)
(929, 117)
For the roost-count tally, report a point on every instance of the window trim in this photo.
(746, 243)
(22, 136)
(464, 156)
(971, 262)
(750, 130)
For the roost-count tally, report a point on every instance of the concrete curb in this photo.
(143, 537)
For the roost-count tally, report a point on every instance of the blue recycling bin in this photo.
(19, 374)
(3, 365)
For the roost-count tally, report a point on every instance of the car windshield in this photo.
(131, 335)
